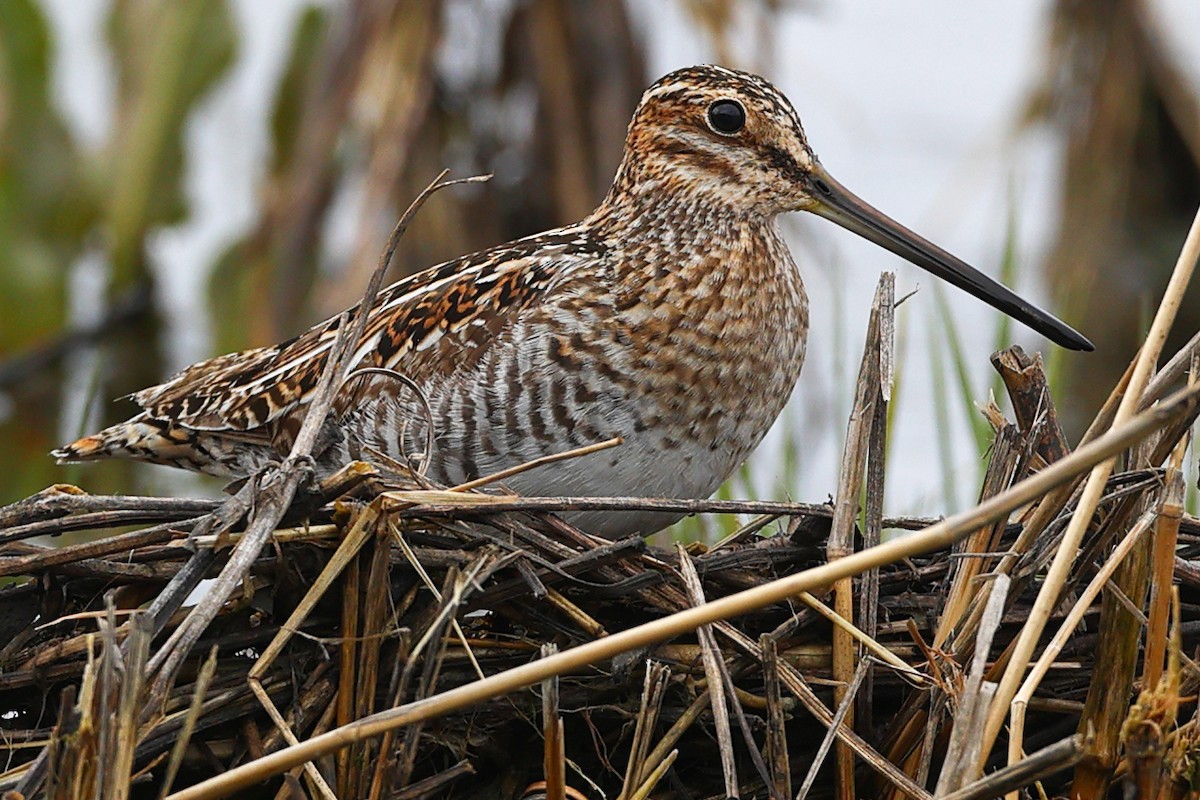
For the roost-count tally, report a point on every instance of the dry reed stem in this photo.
(1166, 537)
(939, 535)
(542, 461)
(193, 714)
(279, 535)
(122, 543)
(554, 754)
(841, 535)
(577, 615)
(839, 719)
(741, 534)
(1003, 468)
(376, 599)
(712, 659)
(419, 568)
(1064, 559)
(654, 777)
(425, 503)
(962, 763)
(1028, 390)
(434, 783)
(874, 490)
(739, 698)
(1150, 726)
(351, 573)
(777, 748)
(118, 761)
(654, 684)
(1047, 761)
(1025, 694)
(874, 646)
(667, 743)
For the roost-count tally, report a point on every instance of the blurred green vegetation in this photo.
(61, 200)
(374, 99)
(47, 206)
(360, 112)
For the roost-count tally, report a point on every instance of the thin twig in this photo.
(189, 724)
(831, 735)
(1058, 756)
(542, 461)
(711, 655)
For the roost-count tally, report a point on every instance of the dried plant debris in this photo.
(430, 589)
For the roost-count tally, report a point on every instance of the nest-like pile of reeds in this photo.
(373, 636)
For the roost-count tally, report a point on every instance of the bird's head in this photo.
(730, 140)
(728, 136)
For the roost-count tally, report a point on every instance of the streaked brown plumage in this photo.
(672, 316)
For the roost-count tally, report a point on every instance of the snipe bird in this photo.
(672, 316)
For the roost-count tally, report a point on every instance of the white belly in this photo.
(642, 466)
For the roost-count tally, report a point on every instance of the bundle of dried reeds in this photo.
(375, 636)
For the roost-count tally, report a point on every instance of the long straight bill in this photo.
(837, 203)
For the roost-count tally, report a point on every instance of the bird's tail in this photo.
(145, 438)
(142, 438)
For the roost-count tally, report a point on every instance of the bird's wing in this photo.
(461, 301)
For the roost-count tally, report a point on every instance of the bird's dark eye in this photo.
(726, 117)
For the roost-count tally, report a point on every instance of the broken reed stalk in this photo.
(877, 446)
(1156, 763)
(1049, 507)
(1002, 469)
(939, 535)
(1166, 538)
(848, 627)
(193, 714)
(845, 515)
(1025, 381)
(666, 744)
(1107, 705)
(640, 764)
(1068, 549)
(776, 745)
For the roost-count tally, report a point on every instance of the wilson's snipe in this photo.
(672, 316)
